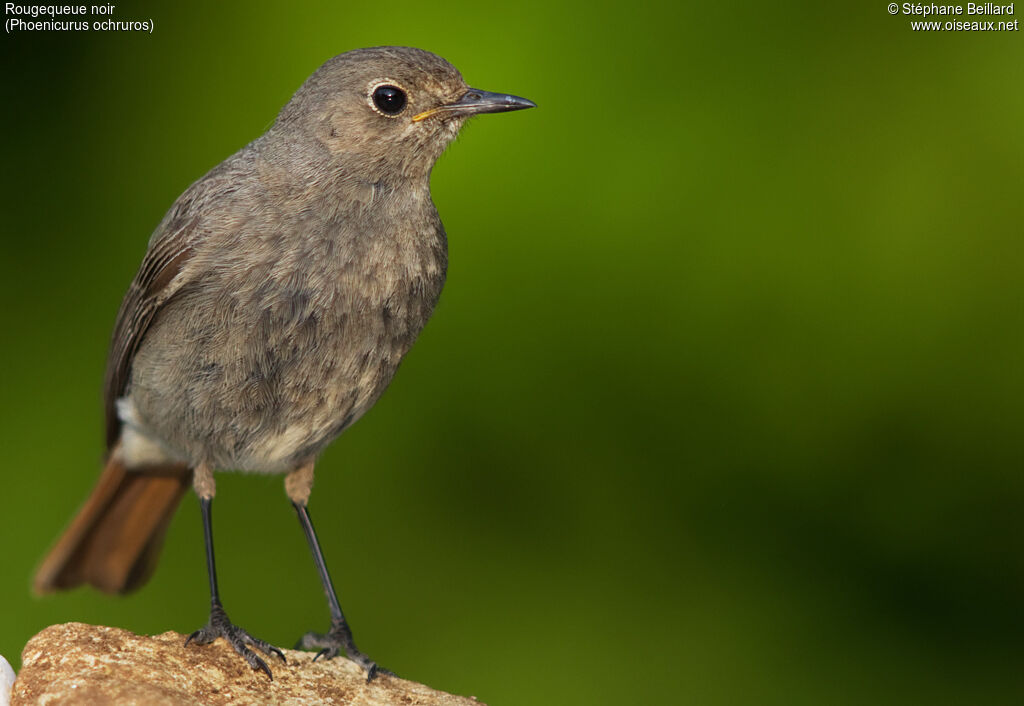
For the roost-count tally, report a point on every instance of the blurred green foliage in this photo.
(722, 402)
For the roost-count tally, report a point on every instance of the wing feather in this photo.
(161, 274)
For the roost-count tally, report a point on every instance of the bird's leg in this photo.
(339, 637)
(219, 625)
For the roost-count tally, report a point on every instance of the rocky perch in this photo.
(76, 663)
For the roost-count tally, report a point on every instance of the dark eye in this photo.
(389, 99)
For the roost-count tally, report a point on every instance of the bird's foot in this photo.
(337, 640)
(220, 626)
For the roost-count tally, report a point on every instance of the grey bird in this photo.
(273, 306)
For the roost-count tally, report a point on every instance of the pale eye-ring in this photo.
(389, 99)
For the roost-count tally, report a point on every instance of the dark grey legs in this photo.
(339, 637)
(219, 625)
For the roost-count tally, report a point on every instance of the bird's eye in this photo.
(390, 100)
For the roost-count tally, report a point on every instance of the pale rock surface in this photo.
(76, 663)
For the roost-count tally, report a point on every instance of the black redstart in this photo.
(272, 308)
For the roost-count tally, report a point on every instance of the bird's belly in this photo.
(264, 386)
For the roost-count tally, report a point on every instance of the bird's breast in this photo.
(336, 333)
(289, 337)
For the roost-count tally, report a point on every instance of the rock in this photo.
(76, 663)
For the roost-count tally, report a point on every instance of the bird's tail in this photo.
(114, 540)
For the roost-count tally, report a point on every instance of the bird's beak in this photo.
(475, 102)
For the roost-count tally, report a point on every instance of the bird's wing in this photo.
(163, 272)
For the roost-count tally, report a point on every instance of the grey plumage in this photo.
(282, 289)
(273, 306)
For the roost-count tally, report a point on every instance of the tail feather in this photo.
(115, 539)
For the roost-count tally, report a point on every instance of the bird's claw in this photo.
(337, 640)
(240, 640)
(327, 653)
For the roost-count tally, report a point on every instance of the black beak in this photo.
(474, 102)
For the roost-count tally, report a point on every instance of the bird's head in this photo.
(388, 110)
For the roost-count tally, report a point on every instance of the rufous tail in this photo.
(115, 539)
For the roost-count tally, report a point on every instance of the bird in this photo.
(272, 308)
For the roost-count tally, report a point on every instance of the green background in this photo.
(723, 400)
